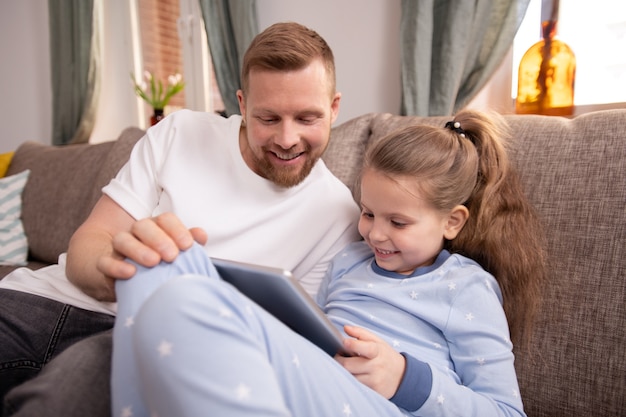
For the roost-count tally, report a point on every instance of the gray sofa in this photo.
(574, 171)
(63, 186)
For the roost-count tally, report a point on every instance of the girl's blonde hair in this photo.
(468, 165)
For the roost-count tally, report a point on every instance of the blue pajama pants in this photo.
(186, 343)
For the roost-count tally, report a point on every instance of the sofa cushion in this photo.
(573, 171)
(13, 242)
(64, 185)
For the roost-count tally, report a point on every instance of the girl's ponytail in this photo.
(503, 232)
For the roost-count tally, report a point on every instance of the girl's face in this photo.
(403, 230)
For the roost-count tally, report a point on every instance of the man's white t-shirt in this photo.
(190, 164)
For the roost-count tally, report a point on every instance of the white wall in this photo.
(363, 35)
(25, 97)
(365, 38)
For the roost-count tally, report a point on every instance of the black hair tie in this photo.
(456, 127)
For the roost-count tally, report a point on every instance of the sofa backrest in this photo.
(63, 186)
(574, 172)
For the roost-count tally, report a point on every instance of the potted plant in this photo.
(155, 94)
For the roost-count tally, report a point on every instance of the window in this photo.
(173, 39)
(596, 32)
(160, 44)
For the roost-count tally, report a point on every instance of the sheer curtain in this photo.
(230, 26)
(74, 61)
(451, 48)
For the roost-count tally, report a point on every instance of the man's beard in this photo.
(286, 176)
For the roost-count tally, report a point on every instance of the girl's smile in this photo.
(401, 228)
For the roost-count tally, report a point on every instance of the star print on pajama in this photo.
(448, 315)
(196, 346)
(199, 347)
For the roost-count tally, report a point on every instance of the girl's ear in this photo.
(456, 220)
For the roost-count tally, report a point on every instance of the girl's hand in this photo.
(375, 363)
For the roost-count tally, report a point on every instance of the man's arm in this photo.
(98, 249)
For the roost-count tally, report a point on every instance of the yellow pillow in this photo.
(5, 161)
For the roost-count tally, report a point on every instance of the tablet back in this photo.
(278, 292)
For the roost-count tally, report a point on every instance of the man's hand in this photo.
(375, 364)
(149, 242)
(98, 250)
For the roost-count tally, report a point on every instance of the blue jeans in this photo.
(35, 330)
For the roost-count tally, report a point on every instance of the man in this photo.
(249, 188)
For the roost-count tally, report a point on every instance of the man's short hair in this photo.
(287, 46)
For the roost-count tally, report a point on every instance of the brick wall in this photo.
(162, 51)
(159, 39)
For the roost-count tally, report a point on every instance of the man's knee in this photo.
(75, 383)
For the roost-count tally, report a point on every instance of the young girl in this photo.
(426, 323)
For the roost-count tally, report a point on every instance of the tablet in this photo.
(278, 292)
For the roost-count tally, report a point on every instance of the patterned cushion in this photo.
(13, 242)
